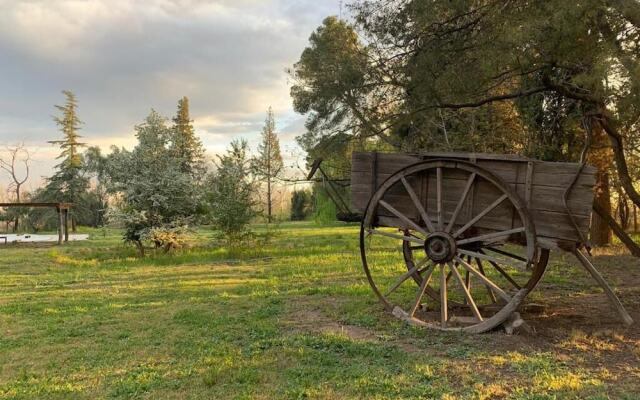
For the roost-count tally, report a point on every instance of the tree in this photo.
(267, 165)
(300, 205)
(185, 143)
(94, 203)
(481, 65)
(230, 198)
(68, 183)
(157, 199)
(17, 166)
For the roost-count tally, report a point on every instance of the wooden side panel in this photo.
(548, 182)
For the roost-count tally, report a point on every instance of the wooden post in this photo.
(615, 301)
(66, 224)
(60, 224)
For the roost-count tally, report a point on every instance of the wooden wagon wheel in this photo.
(418, 232)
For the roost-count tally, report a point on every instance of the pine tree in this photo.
(268, 166)
(68, 183)
(231, 192)
(185, 143)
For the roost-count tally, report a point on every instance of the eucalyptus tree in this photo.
(557, 73)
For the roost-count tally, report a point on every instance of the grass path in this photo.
(290, 318)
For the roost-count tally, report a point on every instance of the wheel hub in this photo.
(440, 247)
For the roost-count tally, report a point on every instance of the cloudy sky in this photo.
(124, 57)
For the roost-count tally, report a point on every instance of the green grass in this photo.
(289, 316)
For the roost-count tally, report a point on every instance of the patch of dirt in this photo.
(311, 320)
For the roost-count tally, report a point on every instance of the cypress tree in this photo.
(268, 165)
(185, 144)
(68, 182)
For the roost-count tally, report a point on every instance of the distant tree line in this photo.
(158, 190)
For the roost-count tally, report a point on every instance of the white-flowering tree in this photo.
(158, 199)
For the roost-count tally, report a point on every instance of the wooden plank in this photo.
(550, 199)
(548, 183)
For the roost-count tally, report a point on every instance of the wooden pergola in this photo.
(63, 215)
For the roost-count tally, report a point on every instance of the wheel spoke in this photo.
(407, 275)
(484, 279)
(403, 217)
(486, 257)
(505, 274)
(444, 312)
(506, 253)
(481, 269)
(418, 204)
(396, 236)
(467, 189)
(439, 198)
(423, 287)
(488, 236)
(466, 291)
(479, 216)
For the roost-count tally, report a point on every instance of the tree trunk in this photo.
(620, 233)
(600, 157)
(600, 230)
(269, 200)
(73, 223)
(140, 247)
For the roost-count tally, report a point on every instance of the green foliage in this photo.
(329, 80)
(230, 199)
(267, 166)
(168, 237)
(185, 144)
(301, 205)
(324, 210)
(154, 191)
(516, 77)
(68, 183)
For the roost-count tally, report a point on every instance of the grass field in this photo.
(288, 317)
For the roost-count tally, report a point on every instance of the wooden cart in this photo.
(456, 241)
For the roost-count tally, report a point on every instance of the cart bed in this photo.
(539, 184)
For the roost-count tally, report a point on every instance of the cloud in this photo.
(124, 57)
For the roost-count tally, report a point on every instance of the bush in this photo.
(300, 205)
(324, 209)
(230, 200)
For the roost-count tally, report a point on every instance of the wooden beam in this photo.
(60, 205)
(615, 301)
(66, 224)
(60, 225)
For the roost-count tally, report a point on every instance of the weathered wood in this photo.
(66, 224)
(541, 183)
(465, 290)
(444, 308)
(485, 280)
(421, 290)
(60, 225)
(614, 300)
(38, 205)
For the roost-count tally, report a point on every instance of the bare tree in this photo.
(17, 166)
